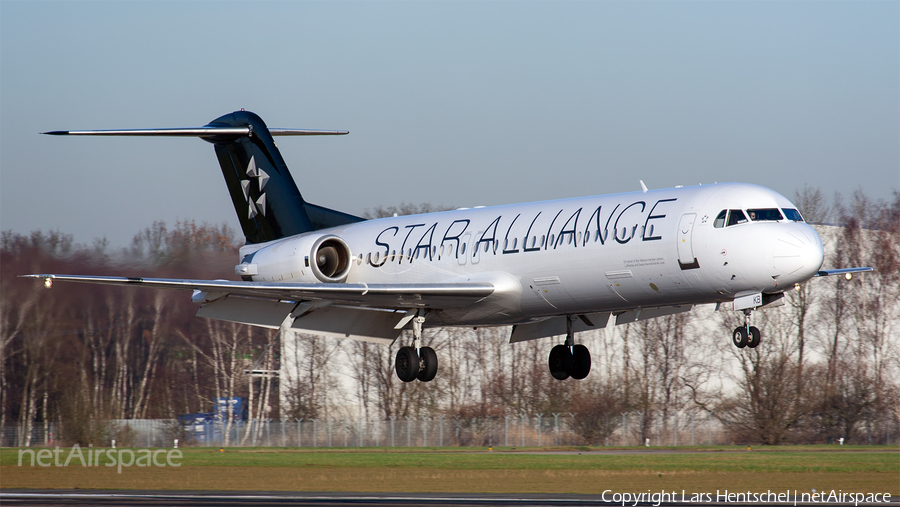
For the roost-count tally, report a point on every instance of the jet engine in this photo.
(305, 258)
(330, 259)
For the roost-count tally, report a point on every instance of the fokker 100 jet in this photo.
(545, 268)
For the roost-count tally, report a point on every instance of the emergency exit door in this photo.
(686, 259)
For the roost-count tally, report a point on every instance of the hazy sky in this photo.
(453, 103)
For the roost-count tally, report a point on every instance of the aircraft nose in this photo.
(798, 253)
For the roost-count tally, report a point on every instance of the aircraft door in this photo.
(477, 247)
(686, 259)
(463, 248)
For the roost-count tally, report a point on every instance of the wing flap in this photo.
(256, 312)
(361, 324)
(650, 313)
(556, 326)
(321, 317)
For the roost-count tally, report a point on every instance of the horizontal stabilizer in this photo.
(195, 132)
(268, 203)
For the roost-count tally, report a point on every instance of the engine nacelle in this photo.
(308, 258)
(330, 259)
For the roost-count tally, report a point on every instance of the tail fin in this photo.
(268, 204)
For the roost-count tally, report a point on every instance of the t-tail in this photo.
(267, 201)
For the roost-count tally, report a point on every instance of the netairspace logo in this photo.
(656, 499)
(91, 457)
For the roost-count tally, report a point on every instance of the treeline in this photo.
(80, 354)
(828, 367)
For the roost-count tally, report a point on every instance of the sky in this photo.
(450, 103)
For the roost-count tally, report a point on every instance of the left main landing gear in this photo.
(746, 335)
(416, 362)
(570, 360)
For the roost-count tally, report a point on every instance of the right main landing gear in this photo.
(570, 360)
(416, 362)
(746, 335)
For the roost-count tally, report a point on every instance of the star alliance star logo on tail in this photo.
(258, 206)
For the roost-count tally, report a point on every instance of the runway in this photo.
(141, 498)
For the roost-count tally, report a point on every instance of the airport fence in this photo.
(543, 430)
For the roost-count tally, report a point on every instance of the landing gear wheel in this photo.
(754, 338)
(581, 362)
(407, 364)
(560, 362)
(429, 362)
(739, 337)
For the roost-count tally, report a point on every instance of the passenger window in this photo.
(720, 219)
(765, 214)
(792, 214)
(735, 217)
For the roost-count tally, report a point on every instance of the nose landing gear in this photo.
(746, 335)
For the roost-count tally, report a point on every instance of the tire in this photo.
(581, 362)
(754, 338)
(560, 362)
(407, 364)
(739, 337)
(431, 364)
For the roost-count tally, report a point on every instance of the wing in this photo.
(358, 311)
(842, 271)
(385, 296)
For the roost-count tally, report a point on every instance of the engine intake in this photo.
(330, 259)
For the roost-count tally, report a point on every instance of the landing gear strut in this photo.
(746, 335)
(416, 362)
(570, 360)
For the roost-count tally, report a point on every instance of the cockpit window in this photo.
(735, 217)
(720, 219)
(792, 214)
(764, 214)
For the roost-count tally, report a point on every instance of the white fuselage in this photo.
(575, 256)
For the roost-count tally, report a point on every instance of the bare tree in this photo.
(310, 382)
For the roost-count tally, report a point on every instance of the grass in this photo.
(698, 469)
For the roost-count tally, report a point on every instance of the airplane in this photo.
(545, 268)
